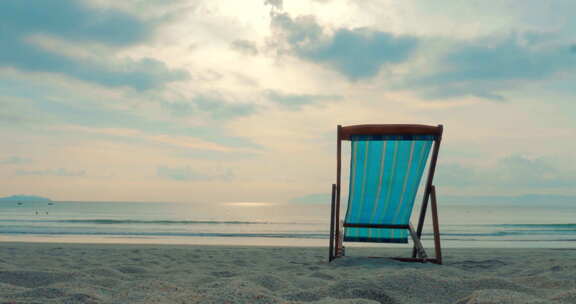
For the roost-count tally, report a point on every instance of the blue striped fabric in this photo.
(385, 172)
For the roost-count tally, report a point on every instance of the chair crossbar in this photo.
(389, 226)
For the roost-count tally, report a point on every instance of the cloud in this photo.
(245, 47)
(78, 23)
(53, 172)
(277, 4)
(514, 171)
(54, 109)
(223, 110)
(213, 105)
(186, 173)
(73, 20)
(15, 160)
(436, 67)
(357, 53)
(455, 175)
(142, 128)
(483, 67)
(533, 172)
(297, 101)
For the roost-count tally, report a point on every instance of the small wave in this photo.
(161, 222)
(507, 233)
(509, 240)
(566, 226)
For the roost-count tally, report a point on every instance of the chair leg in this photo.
(340, 252)
(420, 251)
(436, 226)
(332, 219)
(421, 219)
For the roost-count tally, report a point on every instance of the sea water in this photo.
(267, 224)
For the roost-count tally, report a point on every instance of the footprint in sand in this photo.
(320, 275)
(223, 274)
(477, 265)
(131, 270)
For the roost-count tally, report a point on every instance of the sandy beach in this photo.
(110, 273)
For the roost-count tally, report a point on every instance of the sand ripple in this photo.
(115, 274)
(33, 278)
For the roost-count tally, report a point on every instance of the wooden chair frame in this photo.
(336, 248)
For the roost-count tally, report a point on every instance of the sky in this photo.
(238, 101)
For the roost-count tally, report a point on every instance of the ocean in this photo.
(268, 224)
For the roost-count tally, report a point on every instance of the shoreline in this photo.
(354, 246)
(275, 241)
(145, 273)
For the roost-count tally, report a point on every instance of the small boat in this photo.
(19, 203)
(50, 203)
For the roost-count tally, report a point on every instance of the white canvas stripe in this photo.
(421, 165)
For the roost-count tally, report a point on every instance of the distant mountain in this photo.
(25, 198)
(527, 199)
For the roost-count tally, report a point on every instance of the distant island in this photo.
(25, 198)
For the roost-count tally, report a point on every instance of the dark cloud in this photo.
(53, 172)
(297, 101)
(76, 22)
(245, 47)
(483, 67)
(274, 3)
(186, 173)
(487, 66)
(72, 20)
(356, 53)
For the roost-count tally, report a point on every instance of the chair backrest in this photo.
(386, 167)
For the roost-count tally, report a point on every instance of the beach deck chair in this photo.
(386, 167)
